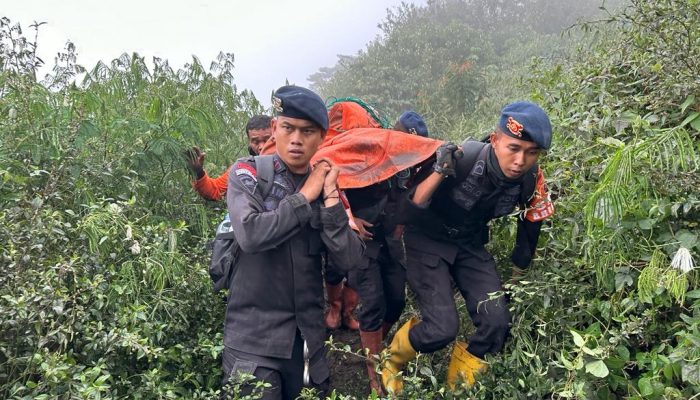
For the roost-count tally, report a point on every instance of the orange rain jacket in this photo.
(212, 188)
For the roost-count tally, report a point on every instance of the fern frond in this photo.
(622, 180)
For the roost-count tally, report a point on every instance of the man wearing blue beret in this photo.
(274, 326)
(446, 217)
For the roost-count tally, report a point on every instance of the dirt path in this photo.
(348, 372)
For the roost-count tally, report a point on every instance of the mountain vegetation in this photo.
(103, 245)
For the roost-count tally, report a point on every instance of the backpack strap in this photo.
(471, 149)
(226, 250)
(265, 167)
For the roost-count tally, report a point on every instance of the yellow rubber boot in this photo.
(463, 366)
(401, 353)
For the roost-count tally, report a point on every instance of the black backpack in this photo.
(225, 248)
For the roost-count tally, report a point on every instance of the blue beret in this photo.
(414, 123)
(526, 121)
(302, 103)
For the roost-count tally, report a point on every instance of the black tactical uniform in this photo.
(379, 279)
(275, 304)
(334, 276)
(445, 236)
(445, 241)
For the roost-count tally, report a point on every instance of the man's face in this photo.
(257, 138)
(515, 156)
(297, 141)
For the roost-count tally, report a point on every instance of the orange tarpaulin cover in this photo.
(342, 117)
(347, 115)
(355, 141)
(364, 152)
(366, 156)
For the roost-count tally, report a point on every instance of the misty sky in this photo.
(272, 40)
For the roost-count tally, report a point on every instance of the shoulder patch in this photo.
(247, 174)
(245, 169)
(540, 206)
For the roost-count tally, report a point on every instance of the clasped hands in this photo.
(323, 180)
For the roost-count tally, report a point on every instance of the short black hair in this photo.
(257, 122)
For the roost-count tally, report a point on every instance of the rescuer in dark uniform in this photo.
(447, 216)
(274, 327)
(380, 279)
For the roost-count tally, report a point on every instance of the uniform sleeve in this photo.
(538, 208)
(344, 247)
(212, 188)
(408, 212)
(525, 242)
(255, 229)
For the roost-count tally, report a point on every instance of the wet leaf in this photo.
(597, 368)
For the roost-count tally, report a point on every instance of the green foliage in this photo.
(625, 164)
(452, 58)
(404, 55)
(602, 314)
(103, 290)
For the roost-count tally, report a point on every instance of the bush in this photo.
(104, 291)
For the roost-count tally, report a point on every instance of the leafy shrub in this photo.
(103, 291)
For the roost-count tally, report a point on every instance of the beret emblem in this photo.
(277, 104)
(515, 127)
